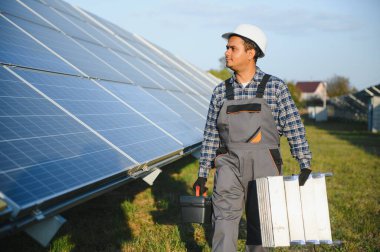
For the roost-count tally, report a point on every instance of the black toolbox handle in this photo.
(197, 191)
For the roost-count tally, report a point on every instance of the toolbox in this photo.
(196, 209)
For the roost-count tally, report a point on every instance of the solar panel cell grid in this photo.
(19, 49)
(104, 113)
(188, 80)
(36, 135)
(122, 63)
(99, 35)
(16, 9)
(63, 7)
(160, 75)
(206, 83)
(156, 111)
(195, 101)
(186, 111)
(68, 49)
(57, 20)
(115, 28)
(150, 54)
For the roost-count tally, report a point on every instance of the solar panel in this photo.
(193, 117)
(131, 59)
(16, 9)
(78, 56)
(17, 48)
(204, 82)
(160, 65)
(63, 7)
(85, 106)
(106, 114)
(43, 150)
(162, 114)
(57, 21)
(205, 79)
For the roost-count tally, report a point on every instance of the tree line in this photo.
(336, 85)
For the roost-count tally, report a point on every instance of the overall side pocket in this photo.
(277, 160)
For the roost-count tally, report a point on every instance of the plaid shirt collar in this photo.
(256, 78)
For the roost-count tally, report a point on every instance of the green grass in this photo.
(136, 217)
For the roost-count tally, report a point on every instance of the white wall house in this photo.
(317, 91)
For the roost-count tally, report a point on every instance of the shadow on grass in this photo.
(355, 133)
(97, 225)
(166, 192)
(100, 224)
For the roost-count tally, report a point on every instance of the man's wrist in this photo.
(304, 163)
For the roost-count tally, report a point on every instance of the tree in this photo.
(339, 85)
(295, 93)
(222, 62)
(223, 72)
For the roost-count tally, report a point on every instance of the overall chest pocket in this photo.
(244, 123)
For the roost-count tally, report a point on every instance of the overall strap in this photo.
(262, 85)
(229, 89)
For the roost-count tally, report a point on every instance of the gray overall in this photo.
(250, 135)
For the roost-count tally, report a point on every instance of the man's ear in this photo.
(251, 53)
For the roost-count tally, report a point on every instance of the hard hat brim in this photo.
(229, 34)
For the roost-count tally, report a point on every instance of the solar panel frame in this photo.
(34, 147)
(63, 36)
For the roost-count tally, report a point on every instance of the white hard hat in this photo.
(251, 32)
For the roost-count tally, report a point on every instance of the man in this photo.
(247, 115)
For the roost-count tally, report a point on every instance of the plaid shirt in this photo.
(284, 112)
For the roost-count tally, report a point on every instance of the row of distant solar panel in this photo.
(82, 100)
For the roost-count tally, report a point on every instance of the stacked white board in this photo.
(293, 215)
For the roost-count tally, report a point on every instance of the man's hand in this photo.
(201, 182)
(305, 172)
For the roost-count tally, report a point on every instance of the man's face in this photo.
(236, 56)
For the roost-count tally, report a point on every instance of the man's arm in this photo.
(293, 128)
(210, 136)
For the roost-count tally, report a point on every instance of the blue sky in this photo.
(307, 40)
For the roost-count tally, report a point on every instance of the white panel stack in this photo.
(265, 212)
(294, 207)
(322, 213)
(309, 209)
(290, 214)
(273, 214)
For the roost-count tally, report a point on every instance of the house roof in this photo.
(308, 86)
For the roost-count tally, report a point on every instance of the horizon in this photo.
(308, 41)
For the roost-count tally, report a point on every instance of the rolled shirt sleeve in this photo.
(211, 135)
(290, 124)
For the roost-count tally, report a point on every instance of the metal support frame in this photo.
(45, 230)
